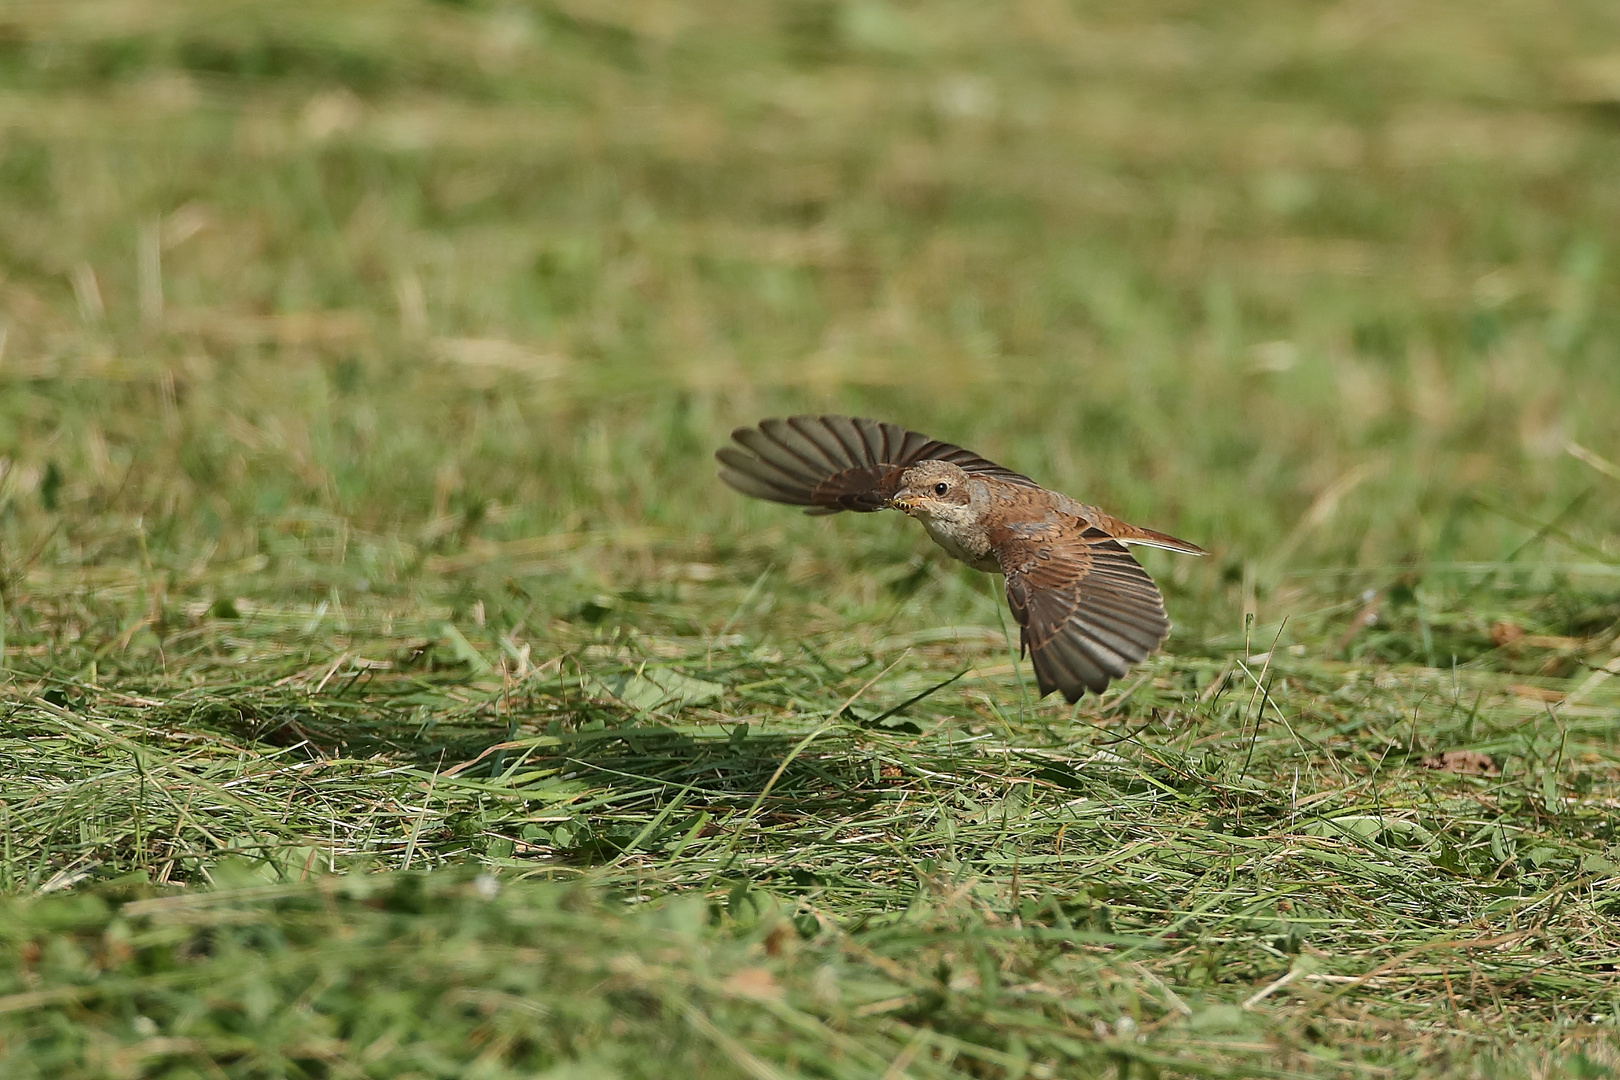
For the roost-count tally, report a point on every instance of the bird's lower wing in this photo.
(833, 463)
(1087, 610)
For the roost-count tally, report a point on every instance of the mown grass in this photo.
(391, 690)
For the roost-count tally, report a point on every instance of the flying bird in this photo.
(1086, 610)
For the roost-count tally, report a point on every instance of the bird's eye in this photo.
(941, 488)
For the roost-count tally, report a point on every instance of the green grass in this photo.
(390, 689)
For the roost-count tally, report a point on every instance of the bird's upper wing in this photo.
(833, 463)
(1086, 609)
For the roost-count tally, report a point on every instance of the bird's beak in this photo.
(901, 503)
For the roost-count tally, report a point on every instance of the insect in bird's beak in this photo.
(900, 502)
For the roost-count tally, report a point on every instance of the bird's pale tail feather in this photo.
(1134, 534)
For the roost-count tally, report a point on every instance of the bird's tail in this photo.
(1135, 534)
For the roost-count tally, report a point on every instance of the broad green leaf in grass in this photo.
(1371, 827)
(659, 688)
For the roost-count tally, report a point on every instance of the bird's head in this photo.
(933, 489)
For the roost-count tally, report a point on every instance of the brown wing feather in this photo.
(833, 463)
(1086, 609)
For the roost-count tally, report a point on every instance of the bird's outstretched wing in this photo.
(1086, 609)
(833, 463)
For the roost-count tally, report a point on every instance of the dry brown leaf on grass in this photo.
(1463, 763)
(1505, 633)
(754, 982)
(1509, 635)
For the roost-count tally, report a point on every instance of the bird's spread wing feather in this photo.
(833, 463)
(1086, 609)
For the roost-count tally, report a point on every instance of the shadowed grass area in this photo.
(390, 688)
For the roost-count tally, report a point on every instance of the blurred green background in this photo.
(1319, 286)
(361, 367)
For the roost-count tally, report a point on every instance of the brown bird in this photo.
(1086, 610)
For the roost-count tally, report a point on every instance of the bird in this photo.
(1086, 610)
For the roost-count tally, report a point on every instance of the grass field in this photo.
(391, 690)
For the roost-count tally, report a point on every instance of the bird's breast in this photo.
(961, 547)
